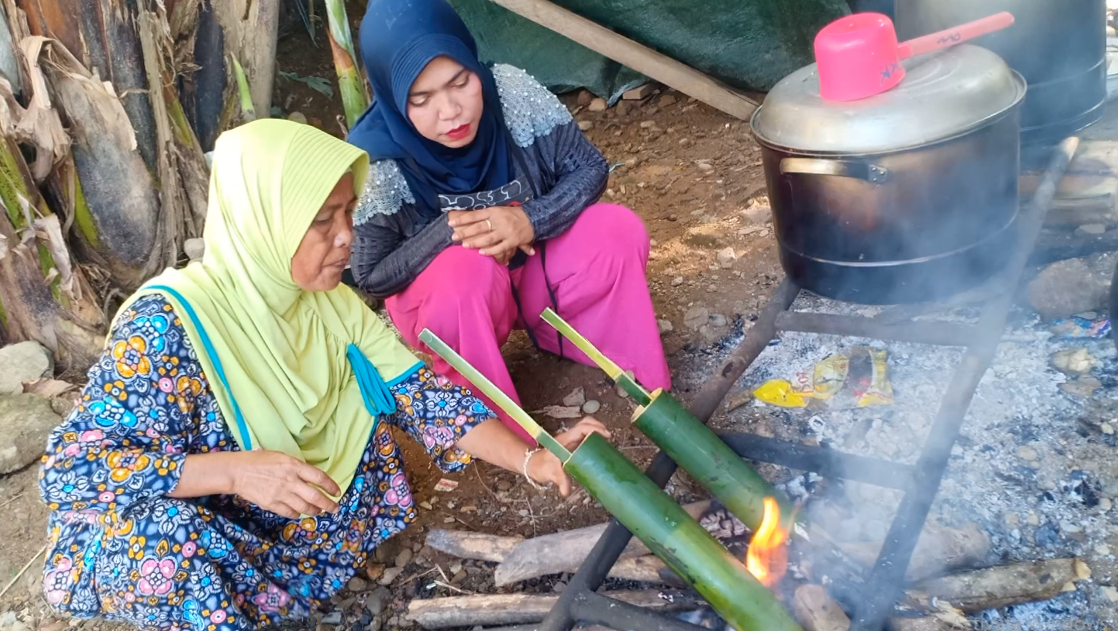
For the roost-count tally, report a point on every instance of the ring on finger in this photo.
(490, 224)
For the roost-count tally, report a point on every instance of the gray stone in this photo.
(357, 584)
(758, 211)
(598, 105)
(696, 317)
(21, 363)
(591, 407)
(665, 326)
(334, 617)
(1069, 287)
(1083, 386)
(404, 557)
(585, 125)
(718, 320)
(677, 281)
(1092, 228)
(1027, 453)
(26, 421)
(1075, 361)
(390, 575)
(377, 600)
(575, 399)
(727, 257)
(194, 249)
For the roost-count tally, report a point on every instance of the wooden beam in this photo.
(636, 56)
(513, 609)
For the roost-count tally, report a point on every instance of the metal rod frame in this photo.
(580, 604)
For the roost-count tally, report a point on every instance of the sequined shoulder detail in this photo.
(530, 109)
(386, 191)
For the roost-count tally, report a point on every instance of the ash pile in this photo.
(1033, 476)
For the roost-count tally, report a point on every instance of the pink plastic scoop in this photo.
(859, 56)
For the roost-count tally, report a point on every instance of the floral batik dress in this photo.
(122, 549)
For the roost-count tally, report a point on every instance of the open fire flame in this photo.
(767, 558)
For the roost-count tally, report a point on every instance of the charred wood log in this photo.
(817, 611)
(1001, 586)
(938, 551)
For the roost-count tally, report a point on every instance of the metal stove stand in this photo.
(883, 587)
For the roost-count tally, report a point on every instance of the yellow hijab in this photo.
(292, 370)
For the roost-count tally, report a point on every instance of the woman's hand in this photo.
(545, 468)
(498, 231)
(282, 484)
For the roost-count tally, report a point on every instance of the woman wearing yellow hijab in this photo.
(230, 463)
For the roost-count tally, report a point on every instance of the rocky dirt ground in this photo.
(694, 176)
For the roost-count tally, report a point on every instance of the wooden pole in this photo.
(503, 609)
(636, 56)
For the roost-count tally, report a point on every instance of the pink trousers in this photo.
(597, 271)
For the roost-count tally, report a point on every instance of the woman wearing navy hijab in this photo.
(482, 207)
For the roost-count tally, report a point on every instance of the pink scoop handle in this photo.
(953, 36)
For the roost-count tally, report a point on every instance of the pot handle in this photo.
(843, 168)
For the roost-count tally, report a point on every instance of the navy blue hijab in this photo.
(398, 39)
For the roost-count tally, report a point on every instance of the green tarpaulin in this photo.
(748, 44)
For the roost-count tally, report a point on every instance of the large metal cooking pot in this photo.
(1059, 46)
(907, 196)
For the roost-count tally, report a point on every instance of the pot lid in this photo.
(942, 95)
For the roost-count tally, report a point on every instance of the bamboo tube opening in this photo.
(641, 409)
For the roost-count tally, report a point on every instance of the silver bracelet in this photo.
(528, 453)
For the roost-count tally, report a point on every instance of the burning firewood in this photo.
(817, 611)
(1001, 586)
(939, 550)
(511, 609)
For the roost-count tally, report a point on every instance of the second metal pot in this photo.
(908, 196)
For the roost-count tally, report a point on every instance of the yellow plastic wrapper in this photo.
(874, 388)
(780, 393)
(826, 378)
(856, 379)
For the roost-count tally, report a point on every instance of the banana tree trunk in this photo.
(251, 28)
(43, 296)
(355, 97)
(137, 189)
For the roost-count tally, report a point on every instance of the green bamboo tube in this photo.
(688, 441)
(676, 538)
(701, 453)
(649, 513)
